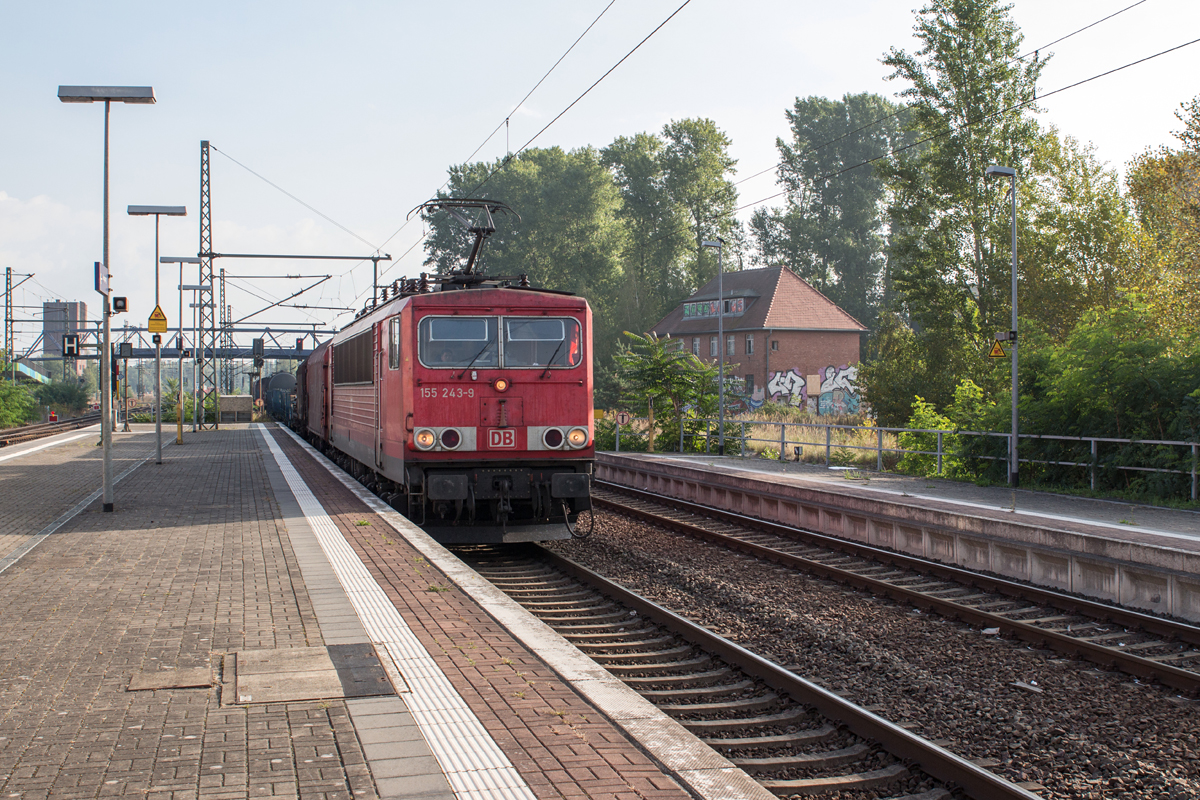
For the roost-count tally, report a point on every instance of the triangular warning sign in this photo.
(997, 351)
(158, 321)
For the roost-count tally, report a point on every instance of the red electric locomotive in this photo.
(466, 403)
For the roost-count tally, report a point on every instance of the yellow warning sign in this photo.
(158, 321)
(996, 352)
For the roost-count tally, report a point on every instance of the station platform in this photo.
(1122, 520)
(1144, 557)
(250, 622)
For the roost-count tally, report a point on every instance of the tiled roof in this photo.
(776, 298)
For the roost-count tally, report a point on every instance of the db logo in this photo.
(504, 437)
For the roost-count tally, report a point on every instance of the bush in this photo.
(68, 398)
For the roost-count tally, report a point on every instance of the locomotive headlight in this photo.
(552, 438)
(577, 438)
(500, 384)
(424, 438)
(451, 439)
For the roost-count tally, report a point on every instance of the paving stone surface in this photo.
(37, 488)
(195, 563)
(558, 742)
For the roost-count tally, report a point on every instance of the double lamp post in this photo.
(108, 95)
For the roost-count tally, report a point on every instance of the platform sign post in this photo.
(157, 325)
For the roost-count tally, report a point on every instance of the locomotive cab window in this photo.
(459, 342)
(541, 342)
(394, 343)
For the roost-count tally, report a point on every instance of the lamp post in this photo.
(110, 95)
(1013, 463)
(156, 212)
(719, 244)
(181, 260)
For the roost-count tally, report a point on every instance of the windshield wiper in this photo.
(550, 363)
(476, 358)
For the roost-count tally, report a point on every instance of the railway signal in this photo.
(71, 345)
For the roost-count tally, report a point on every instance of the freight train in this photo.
(463, 401)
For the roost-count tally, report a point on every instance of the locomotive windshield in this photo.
(473, 342)
(456, 342)
(541, 342)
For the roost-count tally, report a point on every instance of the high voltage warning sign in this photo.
(996, 352)
(158, 321)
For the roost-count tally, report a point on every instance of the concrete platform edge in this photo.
(704, 772)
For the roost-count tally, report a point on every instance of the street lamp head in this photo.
(116, 94)
(178, 260)
(719, 243)
(995, 169)
(166, 211)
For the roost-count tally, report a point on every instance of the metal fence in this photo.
(737, 436)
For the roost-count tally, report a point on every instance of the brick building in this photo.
(784, 340)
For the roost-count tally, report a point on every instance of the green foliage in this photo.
(1114, 376)
(68, 398)
(17, 406)
(658, 240)
(1076, 239)
(970, 98)
(696, 167)
(567, 238)
(919, 458)
(1165, 192)
(831, 231)
(665, 383)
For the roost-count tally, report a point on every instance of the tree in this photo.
(16, 403)
(661, 372)
(567, 238)
(831, 231)
(1164, 186)
(654, 279)
(696, 165)
(68, 397)
(970, 99)
(1077, 240)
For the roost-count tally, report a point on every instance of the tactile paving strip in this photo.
(474, 764)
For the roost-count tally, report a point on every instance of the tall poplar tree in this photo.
(971, 100)
(831, 231)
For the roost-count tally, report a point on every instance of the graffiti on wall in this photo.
(839, 395)
(788, 387)
(738, 401)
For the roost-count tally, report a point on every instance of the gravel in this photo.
(1078, 731)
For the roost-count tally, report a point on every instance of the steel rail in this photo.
(27, 433)
(1181, 679)
(936, 761)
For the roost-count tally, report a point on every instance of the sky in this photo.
(358, 108)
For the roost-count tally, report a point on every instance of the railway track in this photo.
(1139, 644)
(795, 737)
(28, 433)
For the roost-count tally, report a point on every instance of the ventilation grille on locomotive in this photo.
(352, 360)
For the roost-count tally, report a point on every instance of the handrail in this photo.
(733, 434)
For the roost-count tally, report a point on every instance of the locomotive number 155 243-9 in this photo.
(445, 392)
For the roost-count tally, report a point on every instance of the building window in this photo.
(749, 344)
(749, 385)
(695, 345)
(775, 344)
(730, 346)
(712, 346)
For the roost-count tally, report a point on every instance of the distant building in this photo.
(58, 319)
(784, 340)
